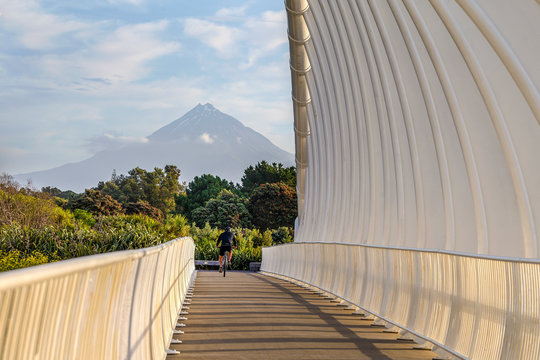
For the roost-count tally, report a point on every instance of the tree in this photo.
(199, 191)
(56, 192)
(272, 206)
(158, 188)
(97, 203)
(143, 208)
(265, 173)
(227, 209)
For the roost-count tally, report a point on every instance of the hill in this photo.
(204, 140)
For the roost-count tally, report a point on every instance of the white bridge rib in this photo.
(424, 120)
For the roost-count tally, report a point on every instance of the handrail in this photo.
(468, 306)
(434, 251)
(120, 305)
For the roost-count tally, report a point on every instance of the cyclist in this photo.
(226, 239)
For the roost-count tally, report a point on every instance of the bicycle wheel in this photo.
(225, 262)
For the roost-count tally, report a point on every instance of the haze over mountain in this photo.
(203, 141)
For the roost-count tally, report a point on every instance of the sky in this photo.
(77, 77)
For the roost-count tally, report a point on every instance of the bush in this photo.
(84, 218)
(143, 208)
(15, 260)
(97, 203)
(281, 235)
(31, 211)
(227, 209)
(273, 206)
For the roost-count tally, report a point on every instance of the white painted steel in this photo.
(418, 123)
(421, 129)
(475, 307)
(121, 305)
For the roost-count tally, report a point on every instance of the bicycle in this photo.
(225, 262)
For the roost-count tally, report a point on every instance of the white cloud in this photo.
(267, 33)
(124, 54)
(35, 28)
(232, 11)
(222, 38)
(206, 138)
(111, 140)
(132, 2)
(86, 52)
(252, 40)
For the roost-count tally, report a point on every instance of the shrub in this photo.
(84, 217)
(281, 235)
(143, 208)
(15, 260)
(227, 209)
(97, 203)
(31, 211)
(272, 206)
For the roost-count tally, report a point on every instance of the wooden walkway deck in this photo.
(252, 316)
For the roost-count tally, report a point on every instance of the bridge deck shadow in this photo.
(251, 316)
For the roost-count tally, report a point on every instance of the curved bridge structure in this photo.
(417, 140)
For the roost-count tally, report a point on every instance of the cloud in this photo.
(253, 39)
(132, 2)
(206, 138)
(232, 11)
(35, 28)
(222, 38)
(124, 54)
(77, 52)
(112, 140)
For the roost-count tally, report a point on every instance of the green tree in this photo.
(265, 173)
(97, 203)
(199, 191)
(272, 206)
(227, 209)
(282, 235)
(158, 187)
(56, 192)
(143, 208)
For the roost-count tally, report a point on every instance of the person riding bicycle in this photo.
(226, 239)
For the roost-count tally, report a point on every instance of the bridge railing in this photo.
(471, 306)
(120, 305)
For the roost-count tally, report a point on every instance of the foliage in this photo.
(97, 203)
(199, 191)
(158, 187)
(15, 260)
(84, 218)
(282, 235)
(227, 209)
(30, 211)
(38, 227)
(143, 208)
(205, 246)
(57, 193)
(261, 239)
(272, 206)
(109, 233)
(265, 173)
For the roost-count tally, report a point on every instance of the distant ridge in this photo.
(204, 140)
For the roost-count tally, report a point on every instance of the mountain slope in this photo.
(204, 140)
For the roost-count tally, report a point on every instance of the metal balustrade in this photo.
(477, 307)
(121, 305)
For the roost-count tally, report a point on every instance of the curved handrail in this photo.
(117, 305)
(472, 306)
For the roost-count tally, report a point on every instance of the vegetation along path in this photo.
(252, 316)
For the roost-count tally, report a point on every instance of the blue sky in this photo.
(79, 76)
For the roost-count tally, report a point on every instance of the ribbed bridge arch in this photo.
(417, 142)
